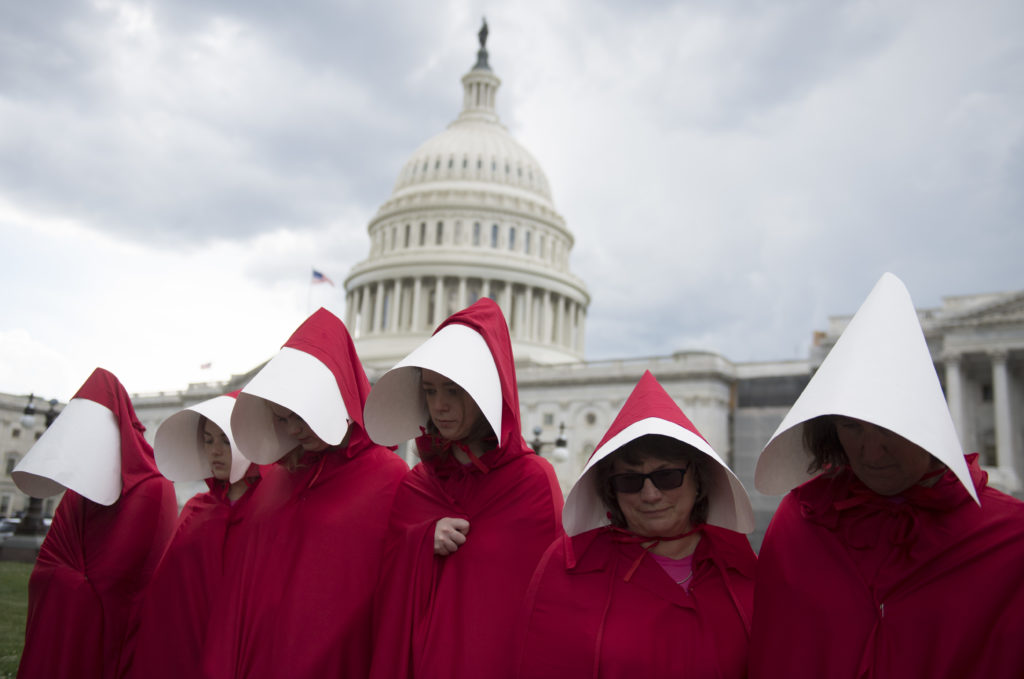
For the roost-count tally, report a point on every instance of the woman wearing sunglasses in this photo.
(654, 576)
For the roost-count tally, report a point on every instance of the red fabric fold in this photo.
(589, 620)
(448, 617)
(854, 584)
(96, 560)
(299, 574)
(171, 626)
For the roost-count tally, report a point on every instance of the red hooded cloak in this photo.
(96, 559)
(449, 616)
(599, 606)
(295, 600)
(587, 620)
(172, 622)
(926, 585)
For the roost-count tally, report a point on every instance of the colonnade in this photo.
(1002, 397)
(418, 304)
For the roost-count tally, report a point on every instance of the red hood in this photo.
(137, 461)
(485, 317)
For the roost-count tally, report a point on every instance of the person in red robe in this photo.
(471, 520)
(896, 559)
(298, 578)
(170, 630)
(107, 535)
(654, 576)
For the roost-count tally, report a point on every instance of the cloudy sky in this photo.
(734, 172)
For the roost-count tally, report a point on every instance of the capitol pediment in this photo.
(1003, 308)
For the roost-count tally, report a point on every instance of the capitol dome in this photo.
(470, 216)
(473, 150)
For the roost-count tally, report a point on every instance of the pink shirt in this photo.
(680, 570)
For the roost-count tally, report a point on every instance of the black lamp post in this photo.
(560, 452)
(32, 523)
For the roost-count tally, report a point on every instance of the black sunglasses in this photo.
(663, 479)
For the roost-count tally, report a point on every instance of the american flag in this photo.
(318, 277)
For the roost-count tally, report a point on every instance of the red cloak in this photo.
(295, 598)
(585, 619)
(449, 616)
(170, 630)
(96, 559)
(853, 584)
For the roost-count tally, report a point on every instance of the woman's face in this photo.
(452, 410)
(653, 512)
(884, 461)
(218, 448)
(294, 426)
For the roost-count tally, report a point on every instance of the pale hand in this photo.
(449, 534)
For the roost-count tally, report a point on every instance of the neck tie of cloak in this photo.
(96, 560)
(450, 616)
(294, 600)
(927, 585)
(616, 613)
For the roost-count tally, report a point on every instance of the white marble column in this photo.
(547, 320)
(581, 320)
(396, 303)
(515, 323)
(531, 322)
(564, 324)
(556, 319)
(460, 302)
(361, 325)
(1003, 412)
(417, 304)
(378, 308)
(485, 288)
(506, 302)
(955, 393)
(440, 303)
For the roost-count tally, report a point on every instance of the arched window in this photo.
(512, 238)
(440, 233)
(423, 233)
(494, 235)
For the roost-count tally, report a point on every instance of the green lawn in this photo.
(13, 605)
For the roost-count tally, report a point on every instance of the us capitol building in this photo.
(472, 215)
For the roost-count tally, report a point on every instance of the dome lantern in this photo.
(480, 86)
